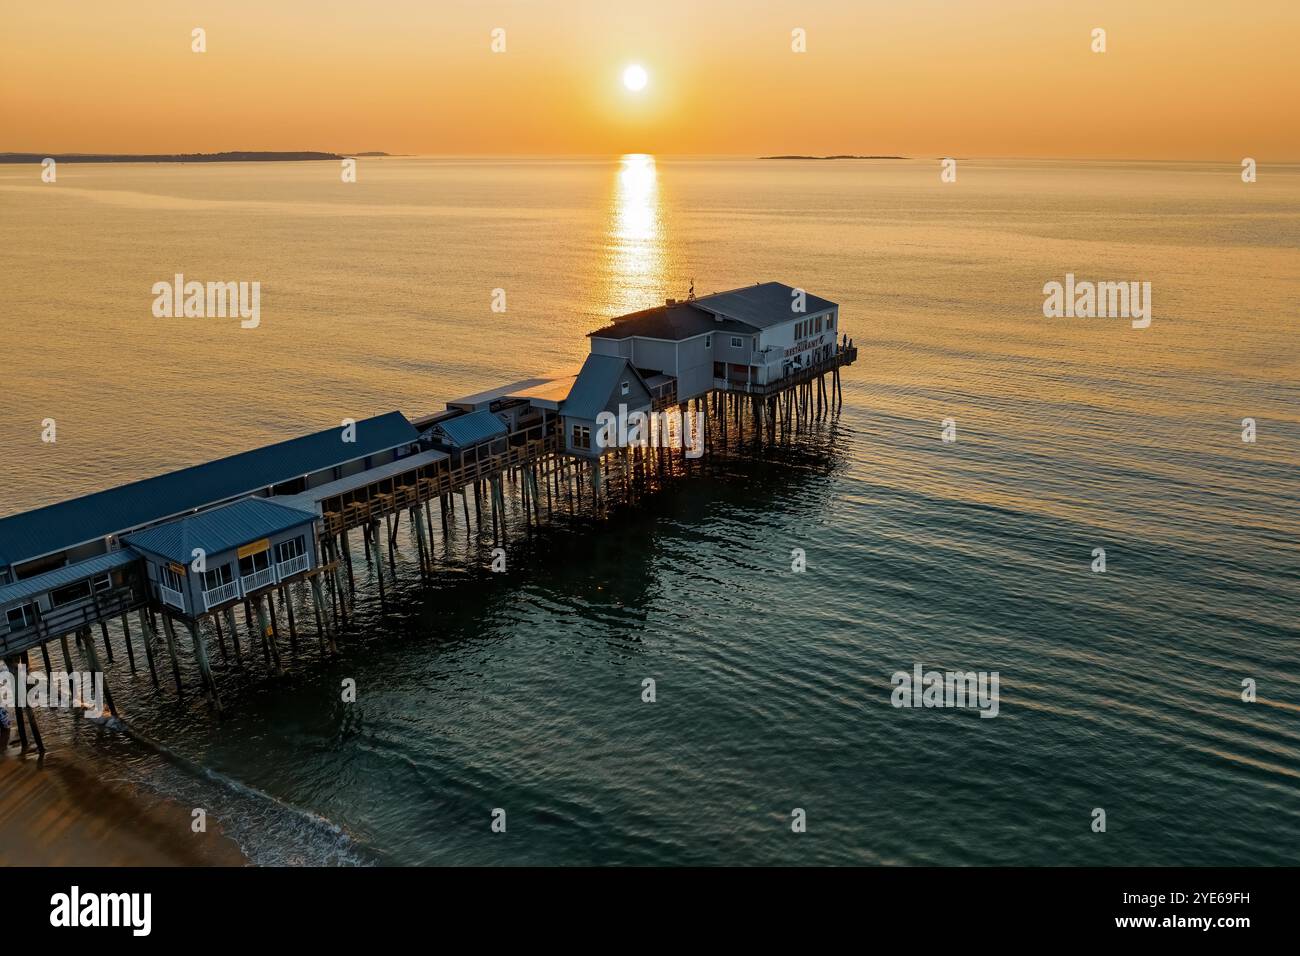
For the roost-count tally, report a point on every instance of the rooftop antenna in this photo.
(691, 293)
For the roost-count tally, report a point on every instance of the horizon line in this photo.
(617, 154)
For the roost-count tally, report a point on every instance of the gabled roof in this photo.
(741, 311)
(69, 523)
(763, 305)
(68, 574)
(672, 322)
(218, 529)
(472, 428)
(595, 384)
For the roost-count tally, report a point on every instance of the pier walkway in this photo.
(272, 531)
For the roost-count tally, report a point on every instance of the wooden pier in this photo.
(441, 492)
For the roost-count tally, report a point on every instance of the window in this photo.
(582, 436)
(69, 593)
(288, 550)
(719, 369)
(255, 562)
(817, 324)
(756, 343)
(168, 576)
(830, 322)
(624, 388)
(708, 341)
(735, 342)
(217, 577)
(102, 583)
(24, 615)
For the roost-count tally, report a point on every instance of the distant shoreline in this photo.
(833, 157)
(227, 157)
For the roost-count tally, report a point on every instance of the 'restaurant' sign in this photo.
(803, 346)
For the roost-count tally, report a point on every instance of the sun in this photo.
(635, 78)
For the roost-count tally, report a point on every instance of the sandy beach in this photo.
(53, 813)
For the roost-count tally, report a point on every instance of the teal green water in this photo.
(522, 691)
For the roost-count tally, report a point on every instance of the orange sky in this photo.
(1181, 79)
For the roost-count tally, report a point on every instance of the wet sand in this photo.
(57, 814)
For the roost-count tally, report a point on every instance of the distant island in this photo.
(231, 157)
(832, 157)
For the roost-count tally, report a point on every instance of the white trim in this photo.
(284, 569)
(258, 579)
(651, 338)
(172, 597)
(219, 595)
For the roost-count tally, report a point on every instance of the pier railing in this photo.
(291, 567)
(663, 396)
(220, 595)
(52, 624)
(539, 440)
(258, 579)
(171, 596)
(844, 355)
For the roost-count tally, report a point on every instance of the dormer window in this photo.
(624, 388)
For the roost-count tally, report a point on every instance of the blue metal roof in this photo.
(595, 385)
(218, 529)
(69, 523)
(69, 574)
(472, 428)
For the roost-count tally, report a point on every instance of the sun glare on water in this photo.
(635, 78)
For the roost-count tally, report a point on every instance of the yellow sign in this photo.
(255, 547)
(178, 568)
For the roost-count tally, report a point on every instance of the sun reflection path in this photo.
(635, 243)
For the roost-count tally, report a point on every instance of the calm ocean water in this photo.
(1119, 690)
